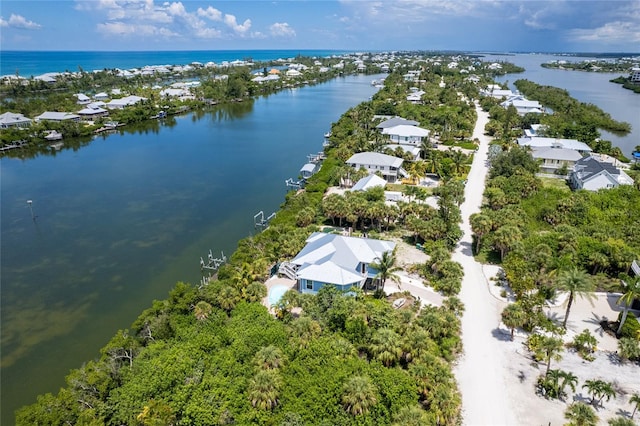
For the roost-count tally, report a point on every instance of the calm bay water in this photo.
(595, 88)
(121, 220)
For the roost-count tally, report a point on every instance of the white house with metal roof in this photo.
(374, 162)
(58, 116)
(406, 135)
(337, 260)
(555, 158)
(396, 121)
(12, 119)
(368, 182)
(540, 142)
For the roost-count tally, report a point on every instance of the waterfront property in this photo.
(556, 158)
(591, 174)
(540, 142)
(396, 121)
(336, 260)
(57, 116)
(374, 162)
(121, 103)
(523, 105)
(11, 119)
(406, 135)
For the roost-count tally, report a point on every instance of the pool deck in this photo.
(274, 281)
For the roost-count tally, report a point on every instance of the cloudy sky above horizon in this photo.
(480, 25)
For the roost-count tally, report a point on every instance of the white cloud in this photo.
(231, 22)
(20, 22)
(282, 29)
(211, 13)
(609, 33)
(124, 29)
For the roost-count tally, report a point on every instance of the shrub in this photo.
(585, 343)
(630, 328)
(629, 349)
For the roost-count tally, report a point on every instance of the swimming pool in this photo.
(276, 293)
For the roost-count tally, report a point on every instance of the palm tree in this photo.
(632, 291)
(264, 389)
(568, 379)
(635, 400)
(410, 416)
(385, 265)
(505, 238)
(580, 414)
(481, 225)
(359, 395)
(269, 358)
(202, 310)
(386, 346)
(621, 421)
(599, 261)
(550, 348)
(513, 316)
(577, 283)
(599, 389)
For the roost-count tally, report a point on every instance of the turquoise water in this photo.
(28, 63)
(121, 220)
(276, 292)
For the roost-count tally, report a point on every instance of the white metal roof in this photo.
(375, 159)
(334, 259)
(404, 130)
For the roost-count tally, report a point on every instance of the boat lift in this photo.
(212, 263)
(259, 220)
(295, 184)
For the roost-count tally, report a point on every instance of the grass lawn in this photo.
(548, 182)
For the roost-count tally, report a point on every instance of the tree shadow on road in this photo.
(500, 334)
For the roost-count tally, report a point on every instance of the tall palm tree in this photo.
(631, 292)
(577, 283)
(385, 265)
(550, 349)
(481, 225)
(580, 414)
(513, 316)
(599, 389)
(505, 238)
(264, 389)
(635, 400)
(412, 415)
(359, 395)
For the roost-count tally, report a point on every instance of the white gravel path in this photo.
(481, 369)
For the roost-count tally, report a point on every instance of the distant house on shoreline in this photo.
(374, 162)
(58, 116)
(11, 119)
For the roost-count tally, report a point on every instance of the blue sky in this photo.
(529, 25)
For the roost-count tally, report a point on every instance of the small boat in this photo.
(399, 302)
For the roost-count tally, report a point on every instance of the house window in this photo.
(308, 284)
(363, 267)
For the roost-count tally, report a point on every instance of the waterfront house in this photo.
(374, 162)
(406, 135)
(555, 158)
(11, 119)
(591, 174)
(634, 75)
(534, 130)
(523, 105)
(92, 112)
(58, 116)
(336, 260)
(541, 142)
(122, 103)
(395, 121)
